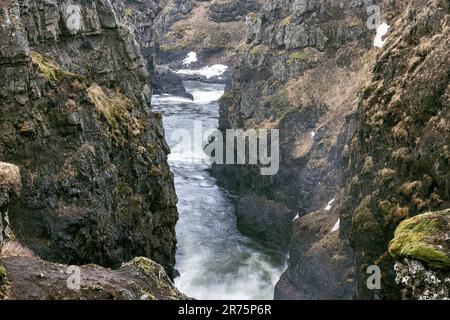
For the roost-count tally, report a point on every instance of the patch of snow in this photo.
(190, 59)
(328, 207)
(336, 226)
(382, 30)
(207, 72)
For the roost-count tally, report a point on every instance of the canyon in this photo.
(91, 174)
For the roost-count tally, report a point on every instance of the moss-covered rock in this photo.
(425, 238)
(2, 282)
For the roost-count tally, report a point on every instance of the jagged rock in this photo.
(398, 163)
(10, 186)
(212, 29)
(320, 264)
(265, 220)
(75, 117)
(300, 71)
(168, 82)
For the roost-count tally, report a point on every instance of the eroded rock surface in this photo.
(75, 117)
(30, 278)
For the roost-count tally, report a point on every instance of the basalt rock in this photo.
(212, 29)
(75, 118)
(397, 165)
(300, 71)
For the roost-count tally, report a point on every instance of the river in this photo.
(214, 259)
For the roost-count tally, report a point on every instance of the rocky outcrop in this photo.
(166, 81)
(267, 221)
(30, 278)
(212, 29)
(320, 263)
(75, 117)
(421, 248)
(10, 186)
(397, 165)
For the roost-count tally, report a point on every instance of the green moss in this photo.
(356, 23)
(420, 237)
(115, 107)
(147, 266)
(260, 50)
(253, 17)
(301, 56)
(2, 281)
(286, 21)
(49, 70)
(280, 101)
(129, 13)
(227, 96)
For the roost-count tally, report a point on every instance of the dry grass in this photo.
(50, 70)
(15, 249)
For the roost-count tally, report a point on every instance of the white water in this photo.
(215, 261)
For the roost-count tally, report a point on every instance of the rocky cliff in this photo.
(363, 136)
(398, 160)
(75, 117)
(24, 276)
(299, 71)
(211, 28)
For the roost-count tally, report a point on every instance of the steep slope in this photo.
(75, 117)
(299, 72)
(398, 160)
(25, 276)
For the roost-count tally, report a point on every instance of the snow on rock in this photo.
(328, 207)
(190, 59)
(336, 226)
(382, 30)
(207, 72)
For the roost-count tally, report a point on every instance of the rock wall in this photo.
(291, 75)
(213, 29)
(363, 134)
(398, 160)
(75, 117)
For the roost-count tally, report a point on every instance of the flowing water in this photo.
(215, 261)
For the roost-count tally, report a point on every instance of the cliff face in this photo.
(75, 117)
(299, 71)
(398, 160)
(213, 29)
(25, 276)
(364, 139)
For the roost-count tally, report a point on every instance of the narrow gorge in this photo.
(137, 137)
